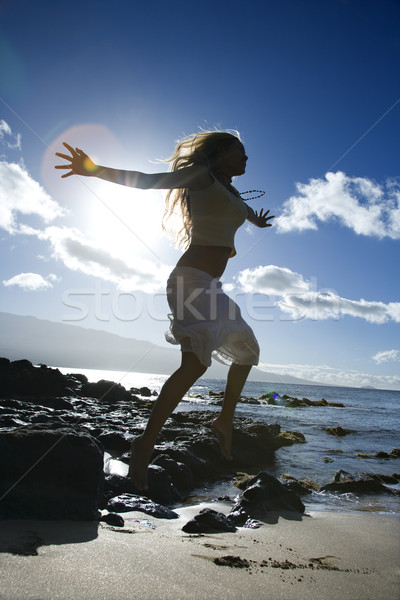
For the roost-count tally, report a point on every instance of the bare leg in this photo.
(171, 394)
(237, 376)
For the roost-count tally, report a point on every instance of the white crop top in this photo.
(216, 215)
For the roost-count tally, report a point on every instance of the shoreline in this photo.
(44, 397)
(321, 554)
(334, 505)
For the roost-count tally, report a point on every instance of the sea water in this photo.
(372, 414)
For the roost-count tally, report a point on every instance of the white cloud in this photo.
(300, 299)
(272, 280)
(328, 305)
(357, 203)
(6, 134)
(70, 247)
(387, 356)
(31, 281)
(5, 129)
(19, 193)
(331, 375)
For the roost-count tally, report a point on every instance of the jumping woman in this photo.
(204, 321)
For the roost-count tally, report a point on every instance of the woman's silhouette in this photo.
(204, 321)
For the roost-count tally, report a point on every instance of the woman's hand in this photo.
(259, 218)
(80, 163)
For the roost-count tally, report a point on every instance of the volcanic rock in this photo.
(265, 494)
(209, 521)
(50, 474)
(131, 502)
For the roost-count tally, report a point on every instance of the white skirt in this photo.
(206, 321)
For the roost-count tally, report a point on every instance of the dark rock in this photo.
(20, 365)
(271, 397)
(321, 402)
(292, 437)
(242, 480)
(296, 487)
(291, 402)
(209, 521)
(55, 403)
(115, 485)
(342, 477)
(143, 391)
(216, 394)
(22, 378)
(130, 502)
(112, 519)
(295, 403)
(43, 418)
(195, 444)
(12, 403)
(114, 441)
(252, 524)
(53, 473)
(181, 454)
(338, 431)
(106, 391)
(160, 486)
(395, 453)
(188, 452)
(238, 515)
(160, 489)
(10, 422)
(180, 474)
(78, 376)
(299, 486)
(265, 494)
(4, 364)
(344, 482)
(255, 443)
(249, 400)
(388, 479)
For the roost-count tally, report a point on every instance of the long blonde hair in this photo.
(196, 149)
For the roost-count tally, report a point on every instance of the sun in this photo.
(126, 222)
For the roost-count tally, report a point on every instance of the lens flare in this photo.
(96, 140)
(89, 165)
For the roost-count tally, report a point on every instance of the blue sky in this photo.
(312, 87)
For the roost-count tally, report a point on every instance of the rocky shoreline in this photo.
(55, 429)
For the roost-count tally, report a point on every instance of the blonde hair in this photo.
(196, 149)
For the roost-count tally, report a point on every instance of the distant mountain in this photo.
(61, 345)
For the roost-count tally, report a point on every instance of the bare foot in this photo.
(224, 436)
(138, 463)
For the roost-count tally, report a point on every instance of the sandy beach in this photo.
(325, 555)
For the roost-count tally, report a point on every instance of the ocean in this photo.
(372, 414)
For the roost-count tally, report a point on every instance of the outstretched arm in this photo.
(81, 164)
(259, 218)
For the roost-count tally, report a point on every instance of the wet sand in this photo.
(329, 555)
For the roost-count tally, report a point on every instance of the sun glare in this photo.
(122, 221)
(126, 222)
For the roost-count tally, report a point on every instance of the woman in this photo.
(204, 320)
